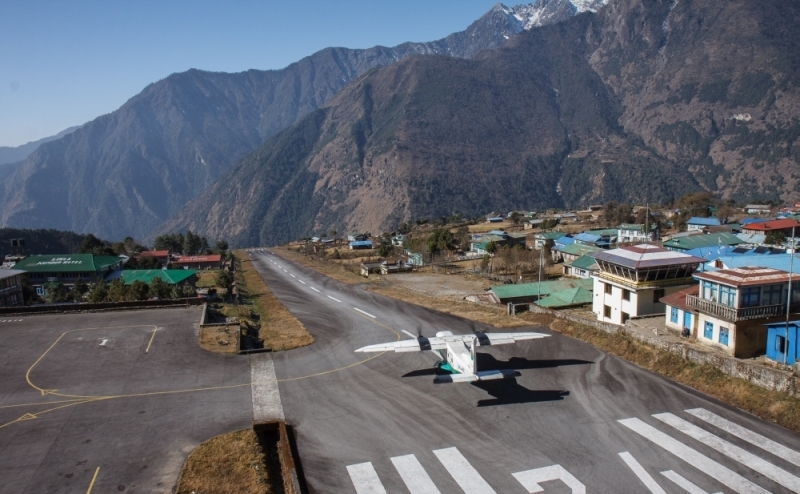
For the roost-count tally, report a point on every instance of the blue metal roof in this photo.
(703, 221)
(565, 241)
(776, 261)
(747, 221)
(361, 243)
(587, 237)
(713, 252)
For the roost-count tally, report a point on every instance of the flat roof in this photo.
(8, 273)
(532, 289)
(192, 259)
(745, 276)
(645, 256)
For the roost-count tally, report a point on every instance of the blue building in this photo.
(778, 347)
(696, 224)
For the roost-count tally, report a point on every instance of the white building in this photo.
(635, 233)
(632, 280)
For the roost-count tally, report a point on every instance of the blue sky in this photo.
(63, 63)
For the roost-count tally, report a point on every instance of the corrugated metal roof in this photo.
(583, 262)
(193, 259)
(8, 273)
(774, 225)
(567, 298)
(745, 276)
(168, 276)
(578, 249)
(697, 241)
(695, 220)
(531, 289)
(777, 261)
(645, 256)
(66, 263)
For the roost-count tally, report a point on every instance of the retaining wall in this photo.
(136, 304)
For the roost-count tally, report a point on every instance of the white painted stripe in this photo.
(293, 276)
(640, 472)
(751, 437)
(301, 281)
(409, 334)
(683, 482)
(365, 313)
(285, 271)
(315, 289)
(721, 474)
(336, 299)
(531, 479)
(746, 458)
(416, 478)
(462, 472)
(365, 479)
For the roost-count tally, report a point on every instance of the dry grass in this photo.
(279, 329)
(232, 463)
(207, 279)
(220, 339)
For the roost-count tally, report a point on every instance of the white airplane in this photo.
(456, 353)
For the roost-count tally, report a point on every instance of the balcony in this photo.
(733, 314)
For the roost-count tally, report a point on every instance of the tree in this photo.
(724, 213)
(117, 290)
(775, 238)
(440, 239)
(78, 289)
(221, 247)
(191, 243)
(93, 245)
(385, 249)
(491, 247)
(404, 228)
(171, 242)
(697, 203)
(138, 290)
(224, 279)
(98, 293)
(55, 293)
(143, 262)
(158, 288)
(516, 217)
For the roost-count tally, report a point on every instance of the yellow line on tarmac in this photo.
(351, 365)
(41, 403)
(29, 416)
(91, 484)
(151, 340)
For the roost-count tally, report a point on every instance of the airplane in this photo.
(456, 353)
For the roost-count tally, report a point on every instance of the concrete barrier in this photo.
(129, 305)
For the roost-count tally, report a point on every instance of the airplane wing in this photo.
(493, 339)
(489, 375)
(416, 345)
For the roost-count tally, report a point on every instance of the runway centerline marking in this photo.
(333, 298)
(301, 281)
(640, 472)
(293, 276)
(365, 313)
(315, 289)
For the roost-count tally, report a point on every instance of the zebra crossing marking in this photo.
(414, 475)
(684, 483)
(530, 479)
(462, 472)
(10, 320)
(640, 472)
(365, 479)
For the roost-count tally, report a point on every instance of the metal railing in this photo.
(732, 313)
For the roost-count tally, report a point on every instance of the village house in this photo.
(782, 347)
(772, 227)
(632, 280)
(635, 233)
(66, 269)
(500, 238)
(689, 242)
(170, 277)
(11, 287)
(730, 307)
(545, 238)
(697, 224)
(757, 209)
(162, 256)
(582, 267)
(211, 261)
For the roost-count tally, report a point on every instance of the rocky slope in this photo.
(126, 172)
(644, 100)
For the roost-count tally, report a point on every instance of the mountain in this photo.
(126, 172)
(13, 154)
(643, 101)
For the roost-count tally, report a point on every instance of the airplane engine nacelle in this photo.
(441, 334)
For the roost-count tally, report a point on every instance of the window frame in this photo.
(723, 331)
(673, 315)
(708, 330)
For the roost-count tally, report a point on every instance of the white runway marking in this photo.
(732, 451)
(336, 299)
(103, 342)
(531, 479)
(683, 483)
(315, 289)
(462, 472)
(365, 479)
(365, 313)
(721, 474)
(751, 437)
(285, 271)
(409, 334)
(640, 472)
(415, 477)
(301, 281)
(293, 276)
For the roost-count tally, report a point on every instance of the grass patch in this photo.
(233, 463)
(207, 279)
(220, 339)
(277, 327)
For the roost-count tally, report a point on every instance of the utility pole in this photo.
(789, 299)
(539, 286)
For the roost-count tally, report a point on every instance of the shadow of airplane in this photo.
(488, 362)
(509, 392)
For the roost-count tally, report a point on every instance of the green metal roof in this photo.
(66, 263)
(549, 235)
(578, 249)
(531, 289)
(566, 298)
(583, 262)
(697, 241)
(635, 227)
(168, 276)
(603, 231)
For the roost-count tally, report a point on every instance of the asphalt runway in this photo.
(576, 420)
(111, 402)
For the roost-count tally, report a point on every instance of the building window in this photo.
(607, 312)
(751, 297)
(626, 294)
(723, 336)
(673, 315)
(625, 317)
(727, 296)
(772, 295)
(709, 291)
(708, 331)
(780, 344)
(608, 289)
(657, 295)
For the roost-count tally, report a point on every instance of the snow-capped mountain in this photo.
(543, 12)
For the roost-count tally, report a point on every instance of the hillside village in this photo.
(718, 276)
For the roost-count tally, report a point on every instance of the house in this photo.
(684, 243)
(714, 252)
(356, 237)
(530, 292)
(172, 277)
(397, 240)
(782, 347)
(532, 224)
(414, 258)
(399, 267)
(370, 267)
(600, 239)
(635, 233)
(162, 256)
(66, 269)
(782, 262)
(211, 261)
(494, 219)
(360, 244)
(569, 253)
(785, 227)
(500, 238)
(572, 297)
(631, 280)
(732, 306)
(696, 224)
(582, 267)
(752, 238)
(11, 287)
(757, 209)
(545, 238)
(726, 228)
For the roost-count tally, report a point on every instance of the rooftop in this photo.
(745, 276)
(578, 249)
(191, 259)
(696, 241)
(547, 288)
(645, 256)
(781, 262)
(678, 299)
(155, 253)
(8, 273)
(62, 263)
(703, 221)
(168, 276)
(768, 226)
(567, 298)
(583, 262)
